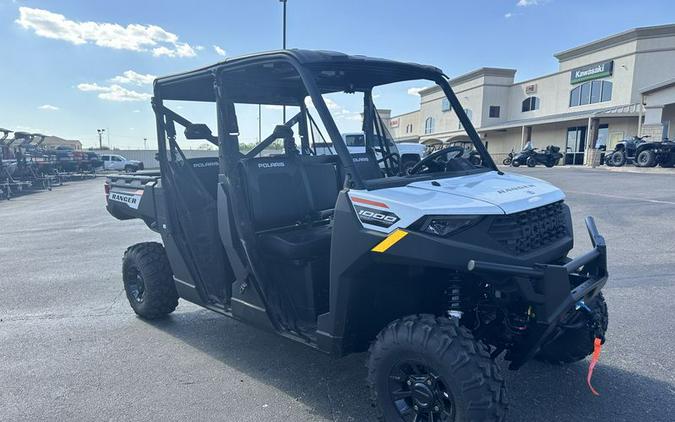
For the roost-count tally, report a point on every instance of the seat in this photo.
(365, 163)
(286, 198)
(206, 169)
(298, 244)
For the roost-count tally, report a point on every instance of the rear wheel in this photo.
(668, 162)
(576, 343)
(148, 280)
(423, 368)
(646, 158)
(506, 161)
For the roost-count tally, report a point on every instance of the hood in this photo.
(510, 192)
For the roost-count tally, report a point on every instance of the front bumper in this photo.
(553, 291)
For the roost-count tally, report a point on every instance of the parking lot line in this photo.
(655, 201)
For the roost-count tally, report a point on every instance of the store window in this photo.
(603, 136)
(530, 104)
(409, 128)
(445, 105)
(494, 112)
(469, 114)
(429, 125)
(591, 92)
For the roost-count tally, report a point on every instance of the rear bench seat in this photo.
(286, 196)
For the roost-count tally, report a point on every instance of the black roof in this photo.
(270, 77)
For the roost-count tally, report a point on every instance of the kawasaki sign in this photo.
(594, 71)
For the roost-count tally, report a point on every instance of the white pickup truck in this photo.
(410, 153)
(118, 162)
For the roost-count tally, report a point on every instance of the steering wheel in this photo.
(393, 156)
(431, 158)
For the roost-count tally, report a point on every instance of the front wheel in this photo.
(506, 161)
(148, 280)
(515, 163)
(618, 158)
(574, 344)
(531, 162)
(426, 368)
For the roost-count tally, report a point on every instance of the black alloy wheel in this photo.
(419, 394)
(135, 285)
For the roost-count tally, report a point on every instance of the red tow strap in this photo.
(597, 346)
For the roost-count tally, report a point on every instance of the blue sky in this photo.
(70, 67)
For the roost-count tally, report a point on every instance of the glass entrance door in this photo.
(576, 145)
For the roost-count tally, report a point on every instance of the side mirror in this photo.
(198, 131)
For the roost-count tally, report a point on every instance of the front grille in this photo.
(529, 230)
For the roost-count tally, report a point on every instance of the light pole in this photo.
(284, 47)
(100, 138)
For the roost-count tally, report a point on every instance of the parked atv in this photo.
(625, 151)
(549, 157)
(651, 154)
(436, 271)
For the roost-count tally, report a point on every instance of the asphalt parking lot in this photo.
(72, 349)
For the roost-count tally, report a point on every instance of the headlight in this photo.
(446, 225)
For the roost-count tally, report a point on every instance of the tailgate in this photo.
(130, 197)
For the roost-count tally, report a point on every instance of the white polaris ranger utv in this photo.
(435, 271)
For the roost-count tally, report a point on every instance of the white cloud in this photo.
(336, 109)
(131, 77)
(199, 47)
(136, 111)
(526, 3)
(219, 51)
(508, 15)
(134, 37)
(114, 92)
(48, 107)
(414, 91)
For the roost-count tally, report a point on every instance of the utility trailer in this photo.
(436, 270)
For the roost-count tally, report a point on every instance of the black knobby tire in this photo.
(550, 163)
(531, 162)
(506, 161)
(669, 162)
(618, 158)
(515, 163)
(148, 280)
(608, 160)
(465, 384)
(576, 343)
(646, 158)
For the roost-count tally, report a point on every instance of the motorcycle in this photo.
(549, 157)
(509, 158)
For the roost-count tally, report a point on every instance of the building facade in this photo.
(614, 88)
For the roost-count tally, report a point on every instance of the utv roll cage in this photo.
(286, 78)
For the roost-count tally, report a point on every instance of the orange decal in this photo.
(369, 202)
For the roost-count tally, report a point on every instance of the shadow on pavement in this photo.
(335, 388)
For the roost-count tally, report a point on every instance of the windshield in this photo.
(386, 127)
